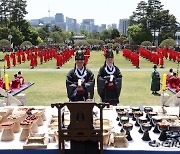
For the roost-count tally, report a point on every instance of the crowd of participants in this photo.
(41, 55)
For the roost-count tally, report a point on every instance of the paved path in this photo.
(92, 69)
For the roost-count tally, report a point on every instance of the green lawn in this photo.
(50, 87)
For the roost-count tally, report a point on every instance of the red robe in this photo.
(15, 83)
(7, 58)
(13, 56)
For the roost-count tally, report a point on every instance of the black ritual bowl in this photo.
(118, 109)
(124, 119)
(155, 120)
(148, 109)
(142, 120)
(146, 127)
(135, 109)
(128, 126)
(138, 113)
(163, 126)
(150, 114)
(121, 113)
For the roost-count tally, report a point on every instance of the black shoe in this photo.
(157, 93)
(153, 93)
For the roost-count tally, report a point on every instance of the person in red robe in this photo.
(40, 54)
(58, 60)
(21, 78)
(32, 60)
(13, 56)
(23, 56)
(19, 57)
(15, 82)
(7, 58)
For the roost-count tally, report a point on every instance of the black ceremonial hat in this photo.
(109, 54)
(155, 66)
(79, 55)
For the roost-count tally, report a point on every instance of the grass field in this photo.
(50, 87)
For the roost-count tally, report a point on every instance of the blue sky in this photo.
(103, 11)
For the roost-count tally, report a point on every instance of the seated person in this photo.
(21, 78)
(15, 82)
(173, 81)
(169, 75)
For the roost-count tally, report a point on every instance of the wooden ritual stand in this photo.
(81, 123)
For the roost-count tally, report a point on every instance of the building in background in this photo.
(102, 27)
(114, 26)
(71, 24)
(59, 21)
(88, 25)
(123, 25)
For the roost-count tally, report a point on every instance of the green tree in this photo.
(56, 28)
(114, 33)
(4, 32)
(4, 43)
(18, 12)
(42, 33)
(17, 36)
(140, 15)
(139, 34)
(105, 35)
(56, 38)
(29, 32)
(83, 32)
(152, 16)
(94, 35)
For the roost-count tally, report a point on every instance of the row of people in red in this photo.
(154, 57)
(44, 55)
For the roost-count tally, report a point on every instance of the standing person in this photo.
(80, 86)
(109, 80)
(155, 84)
(7, 58)
(80, 80)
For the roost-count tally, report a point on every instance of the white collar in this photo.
(110, 69)
(81, 73)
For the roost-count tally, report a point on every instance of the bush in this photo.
(95, 41)
(81, 42)
(26, 43)
(42, 44)
(167, 43)
(4, 43)
(146, 43)
(115, 44)
(109, 45)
